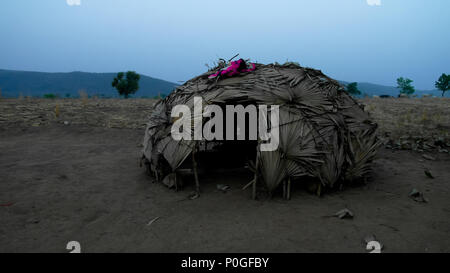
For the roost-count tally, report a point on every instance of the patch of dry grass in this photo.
(110, 113)
(402, 117)
(396, 117)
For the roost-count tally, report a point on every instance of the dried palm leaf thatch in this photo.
(324, 132)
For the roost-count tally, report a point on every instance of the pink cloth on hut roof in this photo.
(235, 68)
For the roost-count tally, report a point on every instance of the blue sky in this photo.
(174, 39)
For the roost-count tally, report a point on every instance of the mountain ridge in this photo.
(14, 83)
(373, 89)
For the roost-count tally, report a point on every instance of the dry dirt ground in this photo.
(82, 182)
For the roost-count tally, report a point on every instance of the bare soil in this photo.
(82, 182)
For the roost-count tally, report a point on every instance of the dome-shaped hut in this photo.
(324, 134)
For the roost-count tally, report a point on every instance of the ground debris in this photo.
(418, 196)
(342, 214)
(194, 195)
(153, 220)
(428, 173)
(223, 187)
(428, 157)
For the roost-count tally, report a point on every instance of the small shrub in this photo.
(84, 96)
(49, 96)
(57, 111)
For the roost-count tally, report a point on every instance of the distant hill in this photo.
(376, 89)
(13, 83)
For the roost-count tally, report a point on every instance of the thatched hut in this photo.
(325, 135)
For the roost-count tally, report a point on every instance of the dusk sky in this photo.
(353, 40)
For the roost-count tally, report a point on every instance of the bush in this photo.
(50, 96)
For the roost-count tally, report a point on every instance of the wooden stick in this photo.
(156, 175)
(233, 57)
(254, 190)
(255, 180)
(288, 197)
(319, 189)
(176, 181)
(194, 166)
(248, 184)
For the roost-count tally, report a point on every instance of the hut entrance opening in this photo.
(229, 159)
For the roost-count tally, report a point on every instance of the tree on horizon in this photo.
(128, 85)
(352, 89)
(443, 83)
(405, 86)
